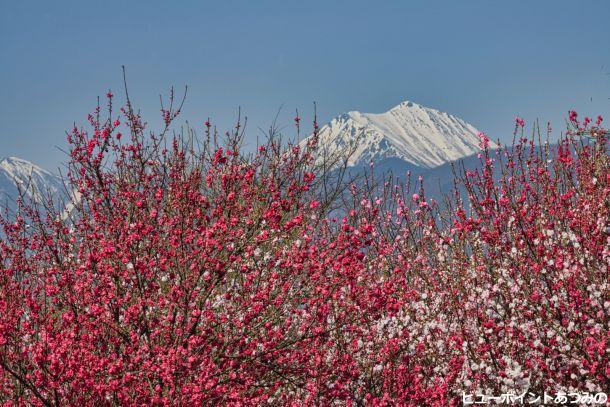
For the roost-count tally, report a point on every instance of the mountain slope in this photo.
(18, 174)
(418, 135)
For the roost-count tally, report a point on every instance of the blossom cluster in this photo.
(186, 271)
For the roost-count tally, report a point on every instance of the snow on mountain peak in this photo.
(18, 174)
(417, 134)
(19, 167)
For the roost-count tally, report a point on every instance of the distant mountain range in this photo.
(408, 137)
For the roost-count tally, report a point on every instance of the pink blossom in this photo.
(573, 116)
(519, 122)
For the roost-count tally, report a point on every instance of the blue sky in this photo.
(485, 61)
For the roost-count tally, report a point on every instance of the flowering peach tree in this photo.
(186, 270)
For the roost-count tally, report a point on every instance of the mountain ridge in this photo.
(17, 174)
(422, 136)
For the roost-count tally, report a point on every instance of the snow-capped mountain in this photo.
(418, 135)
(18, 174)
